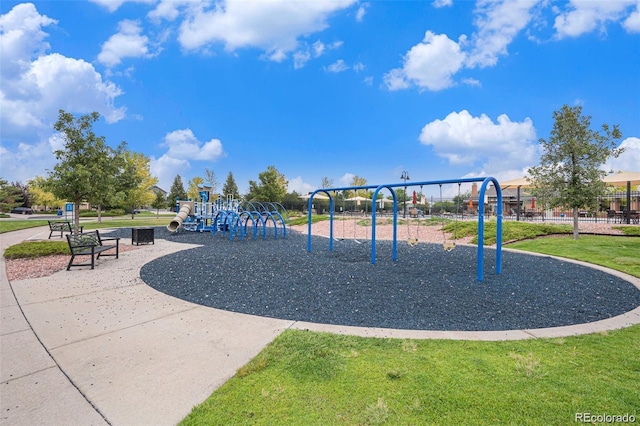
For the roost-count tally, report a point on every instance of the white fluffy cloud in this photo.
(498, 23)
(629, 160)
(28, 160)
(346, 179)
(299, 185)
(34, 85)
(113, 5)
(442, 3)
(433, 63)
(477, 141)
(586, 16)
(337, 66)
(273, 26)
(184, 145)
(183, 148)
(429, 64)
(632, 23)
(21, 38)
(127, 43)
(317, 49)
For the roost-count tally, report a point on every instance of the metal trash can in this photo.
(142, 236)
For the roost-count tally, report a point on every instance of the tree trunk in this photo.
(99, 213)
(576, 234)
(76, 218)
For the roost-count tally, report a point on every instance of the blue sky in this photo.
(442, 89)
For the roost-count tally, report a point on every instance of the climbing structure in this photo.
(230, 216)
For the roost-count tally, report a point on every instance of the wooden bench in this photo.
(61, 226)
(90, 244)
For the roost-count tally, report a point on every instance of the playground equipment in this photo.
(378, 188)
(227, 215)
(450, 245)
(185, 210)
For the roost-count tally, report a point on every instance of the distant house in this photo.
(157, 189)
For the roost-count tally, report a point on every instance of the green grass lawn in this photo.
(307, 378)
(620, 253)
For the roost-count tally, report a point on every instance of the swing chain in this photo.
(411, 241)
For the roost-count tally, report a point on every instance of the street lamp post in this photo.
(405, 178)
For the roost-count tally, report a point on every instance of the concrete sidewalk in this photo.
(87, 347)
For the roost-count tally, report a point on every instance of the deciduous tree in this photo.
(272, 186)
(82, 163)
(194, 188)
(40, 195)
(570, 174)
(141, 193)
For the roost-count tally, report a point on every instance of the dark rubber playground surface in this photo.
(425, 289)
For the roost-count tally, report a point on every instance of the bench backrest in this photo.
(60, 226)
(85, 239)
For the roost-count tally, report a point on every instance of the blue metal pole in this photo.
(373, 227)
(480, 254)
(309, 207)
(330, 221)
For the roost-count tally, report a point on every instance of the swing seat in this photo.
(449, 246)
(412, 242)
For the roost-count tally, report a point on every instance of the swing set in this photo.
(447, 245)
(450, 245)
(413, 241)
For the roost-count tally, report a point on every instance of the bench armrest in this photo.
(116, 239)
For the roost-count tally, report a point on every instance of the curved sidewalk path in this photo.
(91, 347)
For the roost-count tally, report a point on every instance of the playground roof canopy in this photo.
(515, 183)
(621, 179)
(315, 197)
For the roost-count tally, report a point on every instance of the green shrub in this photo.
(30, 249)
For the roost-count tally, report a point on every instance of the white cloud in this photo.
(629, 160)
(55, 82)
(358, 67)
(632, 23)
(498, 23)
(35, 85)
(21, 38)
(433, 63)
(466, 140)
(168, 10)
(362, 10)
(346, 179)
(269, 25)
(428, 65)
(586, 16)
(113, 5)
(28, 160)
(337, 66)
(166, 168)
(442, 3)
(127, 43)
(317, 49)
(300, 59)
(182, 149)
(300, 186)
(184, 145)
(471, 82)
